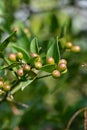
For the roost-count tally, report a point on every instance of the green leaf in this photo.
(48, 68)
(23, 85)
(5, 43)
(34, 46)
(25, 54)
(10, 66)
(53, 50)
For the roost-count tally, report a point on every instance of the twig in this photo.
(74, 116)
(44, 76)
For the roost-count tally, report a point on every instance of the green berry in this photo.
(6, 87)
(1, 84)
(26, 68)
(62, 67)
(76, 49)
(68, 45)
(50, 60)
(56, 73)
(20, 72)
(19, 56)
(38, 65)
(12, 57)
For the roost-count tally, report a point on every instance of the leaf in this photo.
(48, 68)
(63, 30)
(34, 46)
(53, 50)
(5, 43)
(25, 54)
(10, 66)
(22, 85)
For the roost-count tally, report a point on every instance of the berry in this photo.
(20, 72)
(50, 60)
(62, 67)
(34, 55)
(26, 67)
(19, 55)
(1, 84)
(68, 45)
(75, 49)
(38, 65)
(63, 61)
(56, 74)
(12, 57)
(7, 87)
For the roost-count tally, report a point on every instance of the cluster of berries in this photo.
(61, 67)
(25, 68)
(4, 87)
(73, 48)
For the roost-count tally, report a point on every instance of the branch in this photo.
(74, 116)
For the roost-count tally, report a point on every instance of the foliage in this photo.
(34, 41)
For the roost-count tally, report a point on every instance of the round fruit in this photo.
(56, 73)
(63, 61)
(7, 87)
(19, 55)
(75, 48)
(34, 55)
(69, 45)
(1, 84)
(26, 67)
(62, 67)
(20, 72)
(38, 65)
(12, 57)
(50, 60)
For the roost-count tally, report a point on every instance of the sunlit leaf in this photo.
(34, 46)
(53, 50)
(5, 43)
(48, 68)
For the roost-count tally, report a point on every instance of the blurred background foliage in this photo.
(51, 102)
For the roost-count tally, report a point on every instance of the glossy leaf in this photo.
(48, 68)
(22, 85)
(5, 43)
(10, 66)
(53, 50)
(25, 53)
(34, 46)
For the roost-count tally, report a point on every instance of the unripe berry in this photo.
(50, 60)
(38, 65)
(26, 68)
(68, 45)
(56, 74)
(63, 61)
(6, 87)
(20, 72)
(12, 57)
(75, 49)
(62, 67)
(34, 55)
(19, 56)
(1, 84)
